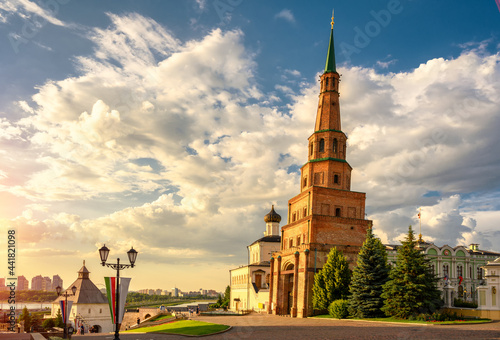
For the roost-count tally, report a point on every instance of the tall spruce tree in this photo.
(368, 278)
(412, 286)
(26, 317)
(332, 281)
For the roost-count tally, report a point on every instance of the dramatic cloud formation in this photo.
(170, 146)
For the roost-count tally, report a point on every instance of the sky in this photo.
(173, 126)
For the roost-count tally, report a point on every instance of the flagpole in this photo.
(117, 313)
(420, 229)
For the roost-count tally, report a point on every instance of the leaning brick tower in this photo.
(325, 214)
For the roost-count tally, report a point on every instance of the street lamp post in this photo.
(132, 256)
(66, 312)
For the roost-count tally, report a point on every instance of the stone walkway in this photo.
(262, 326)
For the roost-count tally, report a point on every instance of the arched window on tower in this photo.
(334, 146)
(337, 212)
(326, 84)
(336, 179)
(321, 145)
(311, 149)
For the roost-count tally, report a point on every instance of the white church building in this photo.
(250, 283)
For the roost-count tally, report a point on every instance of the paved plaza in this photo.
(261, 326)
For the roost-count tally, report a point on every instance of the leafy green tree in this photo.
(26, 317)
(368, 278)
(332, 281)
(412, 286)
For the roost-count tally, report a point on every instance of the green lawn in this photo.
(162, 317)
(188, 327)
(457, 322)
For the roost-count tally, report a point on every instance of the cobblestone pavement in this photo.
(261, 326)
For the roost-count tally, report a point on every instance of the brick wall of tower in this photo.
(330, 174)
(331, 149)
(325, 201)
(328, 116)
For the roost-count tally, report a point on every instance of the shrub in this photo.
(338, 309)
(48, 323)
(462, 303)
(436, 316)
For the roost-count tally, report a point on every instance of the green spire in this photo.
(330, 58)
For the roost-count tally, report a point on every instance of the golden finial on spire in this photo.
(332, 19)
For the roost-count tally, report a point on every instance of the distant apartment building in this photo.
(36, 282)
(212, 293)
(175, 292)
(46, 284)
(56, 281)
(22, 283)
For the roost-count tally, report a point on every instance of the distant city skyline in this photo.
(174, 128)
(38, 282)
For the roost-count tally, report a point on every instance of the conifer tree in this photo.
(412, 286)
(227, 297)
(26, 317)
(59, 320)
(368, 278)
(332, 281)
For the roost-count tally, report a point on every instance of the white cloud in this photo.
(286, 14)
(294, 73)
(33, 13)
(386, 64)
(202, 4)
(176, 144)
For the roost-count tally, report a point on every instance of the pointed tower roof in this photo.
(330, 57)
(83, 273)
(86, 290)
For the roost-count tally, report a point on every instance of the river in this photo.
(30, 305)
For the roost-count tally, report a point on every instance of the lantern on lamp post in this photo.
(132, 256)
